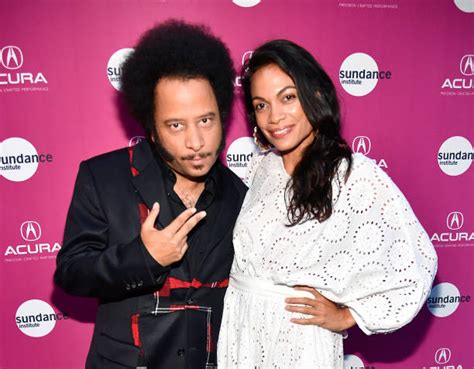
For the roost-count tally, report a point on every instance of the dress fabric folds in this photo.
(372, 255)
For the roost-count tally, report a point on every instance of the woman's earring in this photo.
(261, 146)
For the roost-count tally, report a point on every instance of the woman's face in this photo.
(278, 111)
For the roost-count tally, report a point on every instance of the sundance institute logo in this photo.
(246, 3)
(114, 66)
(445, 299)
(36, 318)
(239, 154)
(467, 6)
(355, 362)
(359, 74)
(19, 159)
(455, 156)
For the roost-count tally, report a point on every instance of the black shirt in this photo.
(199, 238)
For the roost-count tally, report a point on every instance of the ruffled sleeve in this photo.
(394, 282)
(373, 254)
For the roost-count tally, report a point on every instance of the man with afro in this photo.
(149, 228)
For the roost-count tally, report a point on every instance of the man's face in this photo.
(188, 125)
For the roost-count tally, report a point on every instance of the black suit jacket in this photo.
(148, 315)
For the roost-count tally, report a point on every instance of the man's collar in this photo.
(142, 155)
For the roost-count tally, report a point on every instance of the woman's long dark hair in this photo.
(310, 187)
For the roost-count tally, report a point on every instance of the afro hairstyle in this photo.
(175, 49)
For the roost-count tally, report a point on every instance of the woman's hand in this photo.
(321, 311)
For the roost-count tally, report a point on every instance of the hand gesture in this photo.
(321, 311)
(169, 245)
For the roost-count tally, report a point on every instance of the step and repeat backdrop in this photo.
(404, 71)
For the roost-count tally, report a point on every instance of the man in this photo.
(149, 229)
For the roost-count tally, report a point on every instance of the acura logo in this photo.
(442, 355)
(135, 140)
(467, 65)
(11, 57)
(246, 57)
(361, 144)
(30, 230)
(455, 220)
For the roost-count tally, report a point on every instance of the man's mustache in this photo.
(201, 155)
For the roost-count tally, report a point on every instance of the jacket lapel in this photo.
(150, 187)
(149, 182)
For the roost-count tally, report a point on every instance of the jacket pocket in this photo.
(118, 352)
(177, 335)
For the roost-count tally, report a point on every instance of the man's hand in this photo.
(169, 245)
(321, 311)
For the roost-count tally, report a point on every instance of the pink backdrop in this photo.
(55, 93)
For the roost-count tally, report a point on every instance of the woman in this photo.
(315, 215)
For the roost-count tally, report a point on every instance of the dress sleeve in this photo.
(372, 255)
(392, 283)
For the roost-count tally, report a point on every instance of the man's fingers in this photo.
(152, 215)
(184, 249)
(190, 224)
(178, 222)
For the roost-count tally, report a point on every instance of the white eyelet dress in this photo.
(372, 255)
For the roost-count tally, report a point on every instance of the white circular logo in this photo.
(114, 66)
(466, 6)
(352, 362)
(35, 318)
(246, 3)
(455, 156)
(18, 159)
(359, 74)
(239, 155)
(443, 300)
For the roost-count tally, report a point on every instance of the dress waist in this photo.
(264, 288)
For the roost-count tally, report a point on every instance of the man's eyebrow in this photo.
(210, 114)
